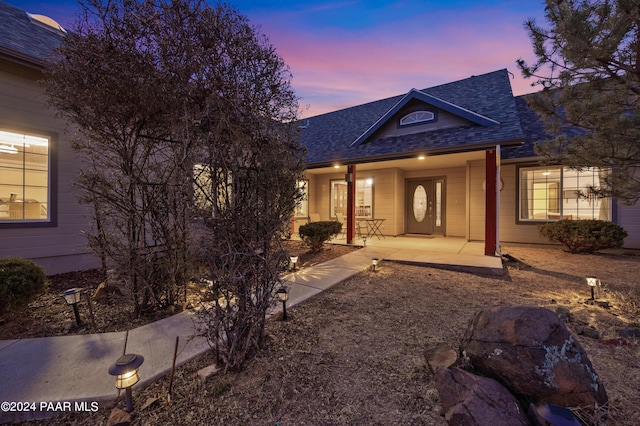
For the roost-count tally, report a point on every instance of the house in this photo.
(40, 217)
(452, 160)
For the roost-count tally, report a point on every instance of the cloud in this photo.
(344, 67)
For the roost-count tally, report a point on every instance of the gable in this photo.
(427, 99)
(473, 113)
(416, 109)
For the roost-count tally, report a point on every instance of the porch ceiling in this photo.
(409, 164)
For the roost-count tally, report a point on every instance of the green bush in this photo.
(20, 281)
(584, 236)
(315, 234)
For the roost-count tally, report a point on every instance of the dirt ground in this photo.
(49, 315)
(353, 355)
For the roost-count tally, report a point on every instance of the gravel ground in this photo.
(353, 355)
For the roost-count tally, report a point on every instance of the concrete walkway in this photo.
(71, 370)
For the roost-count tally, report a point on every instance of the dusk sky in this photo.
(347, 52)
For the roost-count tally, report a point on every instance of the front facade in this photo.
(40, 216)
(453, 160)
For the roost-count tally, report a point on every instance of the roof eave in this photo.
(411, 154)
(21, 58)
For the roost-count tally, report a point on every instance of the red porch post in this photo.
(492, 195)
(351, 203)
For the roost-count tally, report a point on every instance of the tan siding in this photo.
(477, 200)
(61, 248)
(629, 219)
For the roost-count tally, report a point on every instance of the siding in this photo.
(61, 248)
(477, 200)
(629, 219)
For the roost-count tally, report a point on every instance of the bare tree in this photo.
(185, 115)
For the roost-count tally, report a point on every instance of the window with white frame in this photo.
(551, 193)
(417, 117)
(363, 201)
(25, 177)
(302, 208)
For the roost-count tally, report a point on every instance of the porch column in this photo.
(492, 202)
(351, 203)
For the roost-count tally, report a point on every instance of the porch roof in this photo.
(348, 136)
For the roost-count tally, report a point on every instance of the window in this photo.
(25, 177)
(213, 188)
(417, 117)
(302, 209)
(554, 193)
(364, 198)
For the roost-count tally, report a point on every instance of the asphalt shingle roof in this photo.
(22, 39)
(328, 137)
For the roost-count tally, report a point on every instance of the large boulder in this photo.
(468, 399)
(532, 353)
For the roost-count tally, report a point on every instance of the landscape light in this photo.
(293, 261)
(374, 265)
(126, 371)
(593, 283)
(283, 295)
(72, 297)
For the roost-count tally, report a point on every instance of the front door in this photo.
(425, 206)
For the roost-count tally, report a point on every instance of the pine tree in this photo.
(588, 65)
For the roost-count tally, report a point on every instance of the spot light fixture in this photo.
(293, 261)
(283, 295)
(72, 297)
(126, 371)
(593, 283)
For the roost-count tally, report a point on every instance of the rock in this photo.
(473, 400)
(208, 371)
(440, 355)
(532, 353)
(552, 415)
(119, 417)
(100, 295)
(149, 403)
(104, 290)
(630, 332)
(564, 313)
(591, 332)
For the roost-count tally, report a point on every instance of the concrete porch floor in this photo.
(438, 250)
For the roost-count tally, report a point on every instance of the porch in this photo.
(433, 251)
(454, 252)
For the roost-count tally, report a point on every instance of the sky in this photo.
(348, 52)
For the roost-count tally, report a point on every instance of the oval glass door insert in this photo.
(419, 203)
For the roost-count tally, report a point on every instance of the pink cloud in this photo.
(344, 68)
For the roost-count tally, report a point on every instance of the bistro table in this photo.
(373, 227)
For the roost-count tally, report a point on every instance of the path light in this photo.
(72, 297)
(364, 241)
(293, 262)
(374, 265)
(593, 283)
(283, 295)
(126, 371)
